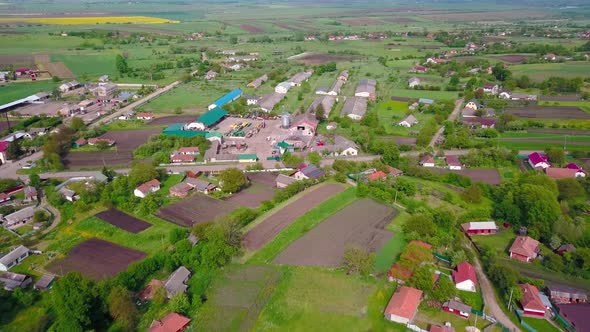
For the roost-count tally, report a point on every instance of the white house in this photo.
(491, 89)
(505, 94)
(537, 160)
(146, 188)
(409, 121)
(427, 161)
(283, 87)
(13, 258)
(403, 305)
(453, 163)
(252, 100)
(473, 104)
(413, 82)
(464, 277)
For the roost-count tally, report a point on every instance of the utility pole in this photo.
(510, 300)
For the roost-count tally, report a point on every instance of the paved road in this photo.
(452, 118)
(54, 211)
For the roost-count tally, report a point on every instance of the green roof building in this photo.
(177, 129)
(212, 117)
(247, 158)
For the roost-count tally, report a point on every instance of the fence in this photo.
(415, 328)
(442, 258)
(562, 320)
(523, 323)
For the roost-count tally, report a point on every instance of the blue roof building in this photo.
(426, 101)
(228, 98)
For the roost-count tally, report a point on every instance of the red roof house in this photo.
(145, 116)
(464, 277)
(453, 162)
(524, 248)
(403, 305)
(436, 328)
(395, 172)
(379, 175)
(573, 166)
(182, 158)
(480, 227)
(192, 150)
(427, 161)
(531, 301)
(149, 187)
(173, 322)
(563, 173)
(537, 160)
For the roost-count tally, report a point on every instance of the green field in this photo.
(542, 71)
(14, 91)
(390, 252)
(540, 324)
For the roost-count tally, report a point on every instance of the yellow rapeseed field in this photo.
(90, 20)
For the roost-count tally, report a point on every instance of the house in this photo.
(550, 57)
(562, 173)
(479, 122)
(258, 82)
(283, 87)
(308, 172)
(201, 186)
(13, 258)
(283, 181)
(178, 158)
(172, 322)
(69, 86)
(148, 292)
(304, 125)
(268, 102)
(453, 163)
(491, 89)
(435, 61)
(146, 188)
(34, 132)
(537, 160)
(523, 97)
(30, 194)
(427, 161)
(211, 75)
(176, 283)
(395, 172)
(576, 315)
(505, 94)
(524, 248)
(437, 328)
(69, 110)
(21, 216)
(80, 142)
(366, 89)
(180, 190)
(473, 104)
(471, 113)
(336, 87)
(193, 239)
(84, 104)
(68, 194)
(247, 158)
(99, 140)
(480, 227)
(301, 77)
(419, 69)
(22, 71)
(563, 294)
(12, 281)
(189, 150)
(355, 108)
(105, 90)
(252, 100)
(229, 97)
(458, 308)
(144, 116)
(377, 176)
(408, 121)
(343, 76)
(103, 78)
(322, 90)
(44, 283)
(207, 120)
(565, 248)
(531, 302)
(413, 82)
(341, 147)
(230, 52)
(403, 305)
(464, 277)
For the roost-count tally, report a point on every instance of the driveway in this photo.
(451, 118)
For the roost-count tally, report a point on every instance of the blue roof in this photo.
(228, 98)
(426, 101)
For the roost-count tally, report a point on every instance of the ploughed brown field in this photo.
(264, 232)
(96, 259)
(548, 112)
(195, 209)
(401, 20)
(261, 189)
(168, 120)
(489, 176)
(123, 221)
(58, 69)
(363, 21)
(361, 223)
(320, 58)
(251, 28)
(512, 58)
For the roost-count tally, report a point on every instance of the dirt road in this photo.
(452, 118)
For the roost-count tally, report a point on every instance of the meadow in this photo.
(16, 91)
(541, 71)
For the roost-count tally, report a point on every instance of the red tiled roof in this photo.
(189, 149)
(436, 328)
(530, 298)
(452, 161)
(525, 246)
(404, 302)
(422, 244)
(561, 173)
(536, 158)
(377, 176)
(145, 115)
(394, 171)
(80, 141)
(173, 322)
(427, 159)
(145, 187)
(464, 271)
(182, 158)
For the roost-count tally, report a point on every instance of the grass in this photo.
(542, 71)
(437, 95)
(24, 229)
(28, 319)
(535, 270)
(304, 224)
(89, 20)
(472, 299)
(427, 316)
(93, 148)
(540, 325)
(103, 63)
(499, 242)
(14, 91)
(580, 104)
(390, 252)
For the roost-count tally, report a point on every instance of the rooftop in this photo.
(404, 302)
(211, 117)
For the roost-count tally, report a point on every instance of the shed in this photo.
(44, 283)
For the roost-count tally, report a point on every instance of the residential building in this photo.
(176, 283)
(427, 161)
(80, 142)
(355, 108)
(21, 216)
(12, 281)
(473, 104)
(479, 122)
(304, 125)
(413, 82)
(464, 277)
(283, 87)
(377, 176)
(341, 147)
(147, 188)
(408, 121)
(103, 78)
(563, 294)
(395, 172)
(301, 77)
(524, 248)
(252, 100)
(172, 322)
(44, 283)
(258, 82)
(201, 186)
(308, 172)
(505, 94)
(68, 194)
(242, 58)
(144, 116)
(491, 89)
(437, 328)
(105, 90)
(34, 132)
(366, 89)
(419, 69)
(565, 248)
(453, 163)
(576, 315)
(562, 173)
(531, 302)
(283, 181)
(403, 305)
(458, 308)
(180, 190)
(13, 258)
(523, 97)
(189, 150)
(550, 57)
(179, 158)
(482, 112)
(480, 227)
(537, 160)
(211, 75)
(30, 194)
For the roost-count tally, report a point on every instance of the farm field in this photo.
(260, 189)
(264, 232)
(88, 20)
(361, 223)
(195, 209)
(489, 176)
(549, 112)
(96, 259)
(123, 221)
(14, 91)
(542, 71)
(168, 120)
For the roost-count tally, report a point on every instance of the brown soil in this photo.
(57, 69)
(489, 176)
(512, 58)
(260, 190)
(196, 209)
(168, 120)
(363, 21)
(318, 58)
(123, 221)
(548, 112)
(401, 20)
(251, 28)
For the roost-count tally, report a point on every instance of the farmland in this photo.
(539, 72)
(194, 210)
(12, 92)
(89, 20)
(123, 221)
(549, 112)
(489, 176)
(260, 189)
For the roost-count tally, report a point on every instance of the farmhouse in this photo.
(550, 57)
(44, 283)
(68, 194)
(201, 186)
(473, 104)
(343, 76)
(413, 82)
(523, 97)
(147, 188)
(69, 110)
(144, 116)
(211, 75)
(226, 99)
(453, 162)
(13, 258)
(34, 132)
(301, 77)
(30, 194)
(563, 294)
(176, 283)
(308, 172)
(252, 100)
(472, 113)
(69, 86)
(505, 94)
(355, 108)
(395, 172)
(283, 87)
(577, 315)
(283, 181)
(12, 281)
(207, 119)
(419, 69)
(335, 90)
(21, 216)
(403, 305)
(437, 328)
(105, 90)
(268, 102)
(258, 82)
(478, 122)
(178, 158)
(366, 89)
(524, 249)
(531, 301)
(305, 125)
(341, 147)
(377, 176)
(458, 308)
(464, 277)
(562, 173)
(172, 322)
(408, 121)
(536, 160)
(327, 103)
(180, 190)
(480, 227)
(427, 161)
(491, 89)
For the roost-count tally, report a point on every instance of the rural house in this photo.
(180, 190)
(201, 186)
(34, 132)
(44, 283)
(505, 94)
(531, 302)
(172, 322)
(258, 82)
(464, 277)
(403, 305)
(427, 161)
(413, 82)
(103, 78)
(408, 121)
(301, 77)
(480, 227)
(562, 173)
(355, 108)
(395, 172)
(437, 328)
(144, 116)
(13, 258)
(478, 122)
(283, 181)
(98, 140)
(68, 194)
(366, 89)
(147, 188)
(229, 97)
(471, 113)
(491, 89)
(30, 194)
(473, 104)
(577, 315)
(305, 125)
(12, 281)
(308, 172)
(21, 216)
(524, 249)
(176, 283)
(189, 151)
(453, 163)
(537, 160)
(283, 87)
(105, 90)
(377, 176)
(419, 69)
(458, 308)
(563, 294)
(342, 147)
(69, 86)
(211, 75)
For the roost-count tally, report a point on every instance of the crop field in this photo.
(96, 259)
(261, 189)
(14, 91)
(549, 112)
(320, 58)
(56, 69)
(168, 120)
(362, 21)
(260, 235)
(361, 223)
(489, 176)
(101, 64)
(238, 297)
(512, 58)
(88, 20)
(542, 71)
(251, 28)
(123, 221)
(196, 209)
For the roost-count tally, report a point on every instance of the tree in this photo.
(34, 180)
(121, 64)
(422, 279)
(539, 207)
(14, 150)
(454, 80)
(75, 301)
(444, 289)
(314, 158)
(121, 307)
(40, 216)
(501, 73)
(390, 154)
(142, 172)
(291, 160)
(555, 155)
(472, 194)
(570, 188)
(102, 145)
(232, 180)
(358, 260)
(382, 61)
(233, 40)
(77, 124)
(108, 172)
(320, 114)
(179, 303)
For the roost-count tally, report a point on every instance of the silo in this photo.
(286, 120)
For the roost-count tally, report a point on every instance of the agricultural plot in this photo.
(196, 209)
(88, 20)
(260, 235)
(489, 176)
(123, 221)
(56, 69)
(320, 58)
(96, 259)
(261, 189)
(361, 223)
(512, 58)
(549, 112)
(168, 120)
(542, 71)
(12, 92)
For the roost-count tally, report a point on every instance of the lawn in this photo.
(24, 229)
(102, 64)
(437, 95)
(14, 91)
(393, 248)
(472, 299)
(303, 225)
(540, 325)
(499, 242)
(427, 316)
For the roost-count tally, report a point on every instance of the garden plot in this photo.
(261, 189)
(489, 176)
(196, 209)
(123, 221)
(548, 112)
(361, 223)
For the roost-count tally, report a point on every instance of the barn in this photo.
(480, 227)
